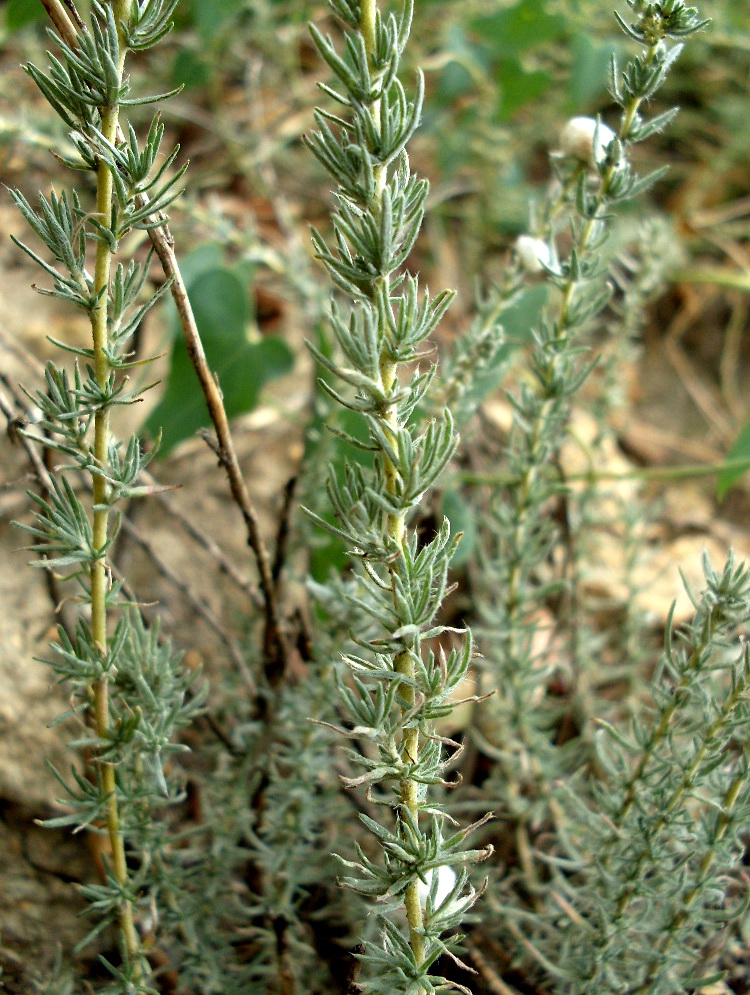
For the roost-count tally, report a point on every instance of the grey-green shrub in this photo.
(621, 847)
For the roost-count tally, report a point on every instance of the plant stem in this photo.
(587, 231)
(395, 527)
(275, 642)
(655, 473)
(99, 571)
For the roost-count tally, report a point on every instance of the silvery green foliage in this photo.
(294, 901)
(631, 885)
(258, 866)
(639, 892)
(596, 508)
(593, 173)
(397, 688)
(150, 698)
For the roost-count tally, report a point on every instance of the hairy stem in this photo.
(395, 528)
(275, 642)
(99, 571)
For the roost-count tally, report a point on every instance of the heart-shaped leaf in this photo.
(222, 311)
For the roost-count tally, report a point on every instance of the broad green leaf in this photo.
(739, 451)
(519, 87)
(206, 257)
(189, 71)
(468, 60)
(19, 13)
(210, 16)
(518, 29)
(455, 81)
(589, 65)
(222, 311)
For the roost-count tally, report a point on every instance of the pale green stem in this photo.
(655, 473)
(710, 736)
(586, 232)
(99, 570)
(395, 527)
(670, 933)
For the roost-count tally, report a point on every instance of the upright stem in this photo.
(275, 641)
(670, 934)
(367, 13)
(99, 572)
(628, 117)
(395, 528)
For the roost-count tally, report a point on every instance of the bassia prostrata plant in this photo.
(127, 690)
(620, 845)
(592, 175)
(399, 683)
(620, 850)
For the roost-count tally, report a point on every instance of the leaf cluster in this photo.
(639, 882)
(396, 689)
